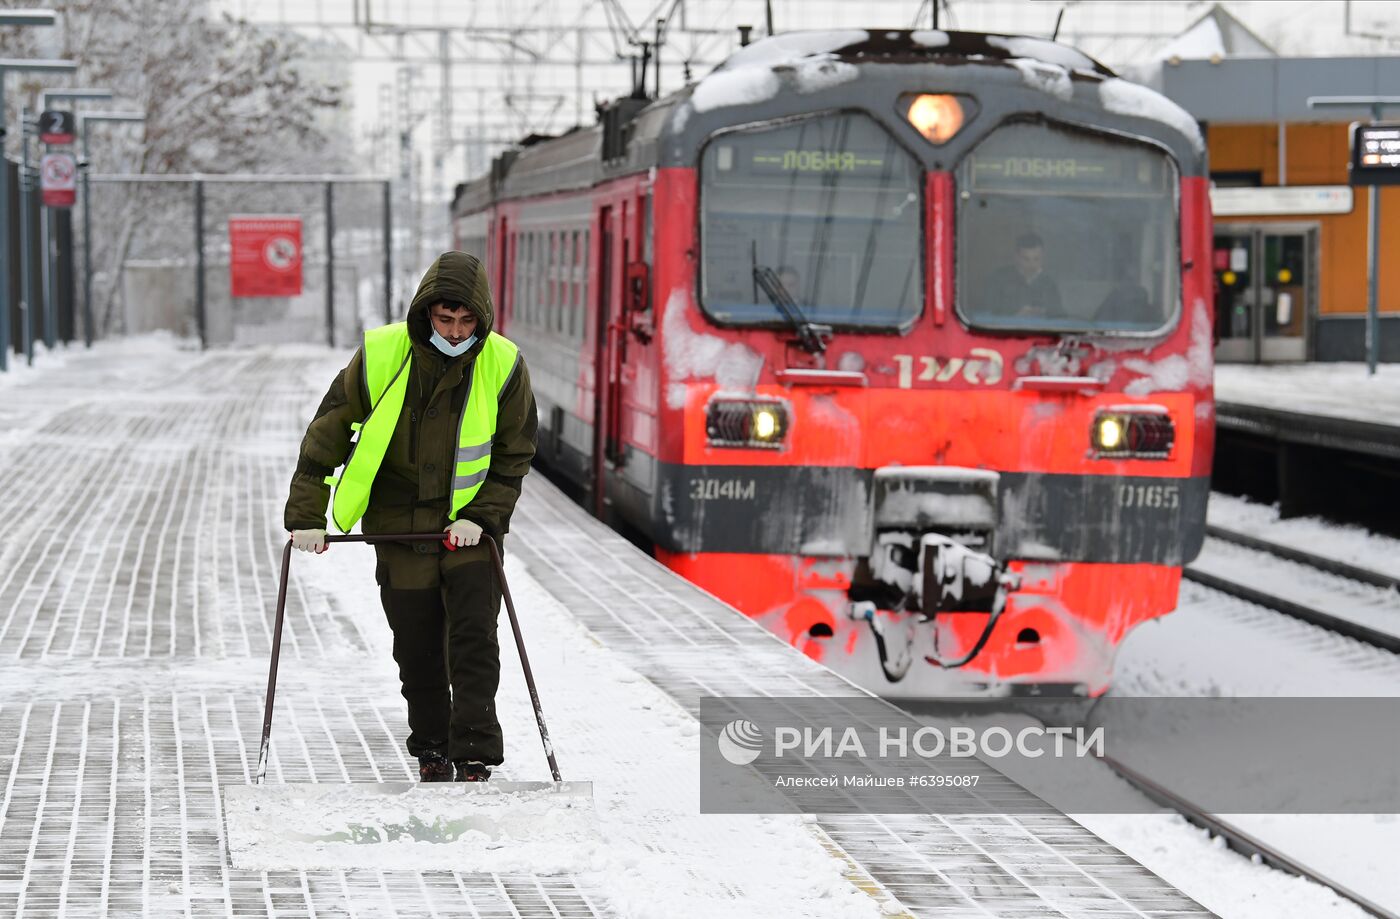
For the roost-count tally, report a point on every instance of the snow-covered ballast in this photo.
(850, 273)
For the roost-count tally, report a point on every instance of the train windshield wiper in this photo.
(812, 335)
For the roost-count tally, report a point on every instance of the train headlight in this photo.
(765, 423)
(1108, 432)
(937, 116)
(1133, 432)
(745, 423)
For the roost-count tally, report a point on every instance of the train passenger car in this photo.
(898, 341)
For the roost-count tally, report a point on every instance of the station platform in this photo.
(1337, 406)
(141, 489)
(1318, 439)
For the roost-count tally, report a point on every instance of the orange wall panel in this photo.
(1317, 155)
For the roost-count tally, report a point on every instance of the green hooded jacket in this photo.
(414, 483)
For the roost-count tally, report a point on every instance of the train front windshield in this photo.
(1060, 230)
(830, 206)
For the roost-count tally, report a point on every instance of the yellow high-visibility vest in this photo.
(388, 359)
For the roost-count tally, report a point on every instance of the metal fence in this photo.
(160, 257)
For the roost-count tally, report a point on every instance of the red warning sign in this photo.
(265, 257)
(58, 179)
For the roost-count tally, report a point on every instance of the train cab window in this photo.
(1062, 230)
(829, 205)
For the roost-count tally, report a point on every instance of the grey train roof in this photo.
(797, 73)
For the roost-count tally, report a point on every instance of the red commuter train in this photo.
(898, 341)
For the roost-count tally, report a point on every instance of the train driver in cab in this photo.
(1024, 288)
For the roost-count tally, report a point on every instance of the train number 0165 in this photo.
(1166, 497)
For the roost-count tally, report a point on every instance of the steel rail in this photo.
(1330, 565)
(1302, 611)
(1239, 840)
(1317, 617)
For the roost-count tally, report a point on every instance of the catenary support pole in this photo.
(1373, 245)
(26, 272)
(87, 241)
(46, 279)
(330, 264)
(199, 263)
(388, 253)
(5, 311)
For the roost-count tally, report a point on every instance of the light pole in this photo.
(1377, 105)
(86, 165)
(49, 220)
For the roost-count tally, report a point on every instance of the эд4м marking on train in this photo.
(897, 341)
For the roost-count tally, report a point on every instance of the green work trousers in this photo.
(442, 607)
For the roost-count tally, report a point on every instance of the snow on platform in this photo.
(141, 489)
(1338, 390)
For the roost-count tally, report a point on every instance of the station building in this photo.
(1290, 256)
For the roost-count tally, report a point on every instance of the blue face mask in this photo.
(446, 347)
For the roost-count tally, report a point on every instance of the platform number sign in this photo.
(56, 127)
(1375, 154)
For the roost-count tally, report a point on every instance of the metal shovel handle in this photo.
(406, 537)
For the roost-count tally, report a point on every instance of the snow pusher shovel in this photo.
(271, 825)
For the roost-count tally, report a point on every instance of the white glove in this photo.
(309, 540)
(463, 533)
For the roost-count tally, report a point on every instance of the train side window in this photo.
(556, 290)
(546, 294)
(570, 282)
(585, 260)
(646, 229)
(533, 304)
(1064, 230)
(522, 271)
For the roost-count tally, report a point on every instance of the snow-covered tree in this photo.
(218, 96)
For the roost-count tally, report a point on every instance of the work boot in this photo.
(472, 771)
(434, 767)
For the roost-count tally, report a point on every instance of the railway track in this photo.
(1336, 596)
(1343, 598)
(1240, 841)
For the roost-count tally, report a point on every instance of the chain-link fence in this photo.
(161, 257)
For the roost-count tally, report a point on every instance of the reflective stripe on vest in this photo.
(388, 357)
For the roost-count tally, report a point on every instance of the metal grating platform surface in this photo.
(141, 491)
(138, 580)
(690, 644)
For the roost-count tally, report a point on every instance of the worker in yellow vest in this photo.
(446, 423)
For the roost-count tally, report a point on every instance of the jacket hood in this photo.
(458, 277)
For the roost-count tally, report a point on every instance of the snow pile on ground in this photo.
(1341, 390)
(649, 846)
(460, 827)
(1201, 866)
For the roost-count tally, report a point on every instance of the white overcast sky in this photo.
(514, 62)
